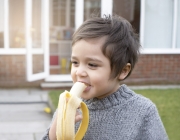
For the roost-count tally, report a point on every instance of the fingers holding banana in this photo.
(78, 116)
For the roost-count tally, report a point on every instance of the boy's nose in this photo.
(81, 71)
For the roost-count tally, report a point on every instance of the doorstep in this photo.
(56, 85)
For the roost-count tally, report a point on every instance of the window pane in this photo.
(124, 8)
(178, 26)
(158, 24)
(2, 24)
(72, 13)
(91, 7)
(37, 63)
(62, 22)
(17, 23)
(59, 11)
(36, 23)
(128, 9)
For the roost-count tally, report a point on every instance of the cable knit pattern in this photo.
(123, 115)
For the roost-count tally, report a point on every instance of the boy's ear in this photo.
(125, 71)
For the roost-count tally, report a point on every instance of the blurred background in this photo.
(35, 49)
(35, 39)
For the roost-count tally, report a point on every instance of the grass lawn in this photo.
(167, 102)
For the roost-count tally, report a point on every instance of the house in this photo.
(35, 39)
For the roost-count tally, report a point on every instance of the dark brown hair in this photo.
(122, 43)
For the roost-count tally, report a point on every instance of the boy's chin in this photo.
(86, 97)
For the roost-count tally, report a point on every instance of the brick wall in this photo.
(13, 71)
(150, 69)
(156, 69)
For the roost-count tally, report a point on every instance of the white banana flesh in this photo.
(78, 89)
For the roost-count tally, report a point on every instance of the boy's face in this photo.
(91, 67)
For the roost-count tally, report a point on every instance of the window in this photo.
(2, 24)
(160, 26)
(36, 24)
(59, 11)
(72, 13)
(16, 23)
(178, 26)
(62, 22)
(62, 12)
(91, 7)
(130, 10)
(21, 26)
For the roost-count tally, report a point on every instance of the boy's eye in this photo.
(92, 65)
(74, 62)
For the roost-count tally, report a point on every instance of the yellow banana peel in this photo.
(67, 106)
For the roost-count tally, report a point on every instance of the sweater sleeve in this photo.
(46, 134)
(153, 126)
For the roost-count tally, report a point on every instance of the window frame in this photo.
(44, 40)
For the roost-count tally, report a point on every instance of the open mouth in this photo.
(88, 86)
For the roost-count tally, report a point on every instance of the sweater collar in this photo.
(116, 98)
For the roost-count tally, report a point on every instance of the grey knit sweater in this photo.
(123, 115)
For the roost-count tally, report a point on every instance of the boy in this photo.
(104, 52)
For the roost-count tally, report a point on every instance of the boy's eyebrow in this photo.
(74, 57)
(93, 59)
(88, 58)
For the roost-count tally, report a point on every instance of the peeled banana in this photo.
(67, 106)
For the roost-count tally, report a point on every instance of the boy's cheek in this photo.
(73, 74)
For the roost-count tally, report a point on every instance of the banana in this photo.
(67, 106)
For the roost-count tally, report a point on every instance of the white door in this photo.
(37, 37)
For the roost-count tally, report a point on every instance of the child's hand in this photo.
(52, 131)
(78, 116)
